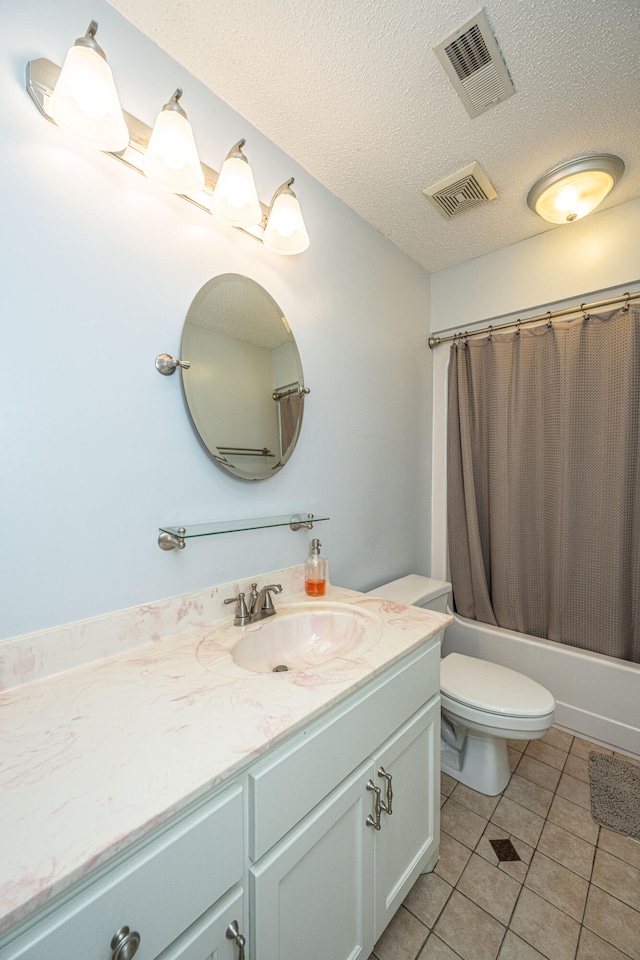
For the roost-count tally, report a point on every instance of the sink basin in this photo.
(303, 636)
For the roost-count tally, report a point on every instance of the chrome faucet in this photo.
(259, 605)
(262, 605)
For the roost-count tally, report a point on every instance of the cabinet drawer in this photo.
(159, 892)
(288, 783)
(206, 939)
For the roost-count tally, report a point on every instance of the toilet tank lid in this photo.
(413, 589)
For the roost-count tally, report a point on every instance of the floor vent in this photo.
(475, 66)
(462, 190)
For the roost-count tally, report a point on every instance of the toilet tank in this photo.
(418, 591)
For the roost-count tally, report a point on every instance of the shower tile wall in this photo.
(573, 894)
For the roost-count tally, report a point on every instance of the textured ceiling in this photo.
(352, 90)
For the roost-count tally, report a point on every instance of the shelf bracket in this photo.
(297, 523)
(167, 541)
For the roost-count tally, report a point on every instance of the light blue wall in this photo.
(97, 271)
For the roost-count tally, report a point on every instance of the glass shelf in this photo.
(171, 537)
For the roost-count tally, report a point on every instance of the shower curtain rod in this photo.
(548, 316)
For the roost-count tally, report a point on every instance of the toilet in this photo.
(483, 704)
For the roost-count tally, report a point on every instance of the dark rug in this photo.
(615, 794)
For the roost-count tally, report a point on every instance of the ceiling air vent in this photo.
(464, 189)
(474, 64)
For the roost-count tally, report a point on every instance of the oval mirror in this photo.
(244, 388)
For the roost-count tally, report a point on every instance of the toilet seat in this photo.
(493, 689)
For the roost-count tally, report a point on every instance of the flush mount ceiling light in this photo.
(171, 159)
(85, 102)
(235, 199)
(81, 99)
(572, 190)
(285, 232)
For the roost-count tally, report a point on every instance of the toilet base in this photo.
(482, 763)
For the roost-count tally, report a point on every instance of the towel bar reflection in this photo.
(245, 451)
(294, 392)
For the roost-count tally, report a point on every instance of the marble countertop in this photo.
(96, 756)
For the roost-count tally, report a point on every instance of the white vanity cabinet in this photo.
(145, 904)
(332, 883)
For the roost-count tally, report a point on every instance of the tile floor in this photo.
(573, 895)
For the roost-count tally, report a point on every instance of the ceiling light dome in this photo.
(572, 190)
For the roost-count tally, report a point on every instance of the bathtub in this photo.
(597, 697)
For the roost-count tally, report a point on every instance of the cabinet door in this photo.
(409, 837)
(312, 894)
(206, 939)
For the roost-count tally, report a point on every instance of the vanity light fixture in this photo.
(90, 111)
(171, 159)
(573, 190)
(285, 231)
(85, 102)
(235, 198)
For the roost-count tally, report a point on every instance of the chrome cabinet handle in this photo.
(233, 933)
(373, 820)
(124, 944)
(386, 804)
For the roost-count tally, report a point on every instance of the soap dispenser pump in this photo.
(316, 572)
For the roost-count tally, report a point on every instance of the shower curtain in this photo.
(544, 481)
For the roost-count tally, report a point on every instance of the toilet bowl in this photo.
(483, 704)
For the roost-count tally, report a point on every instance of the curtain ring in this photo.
(549, 320)
(626, 306)
(518, 322)
(585, 315)
(490, 332)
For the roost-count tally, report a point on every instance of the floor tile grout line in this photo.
(522, 882)
(595, 846)
(536, 850)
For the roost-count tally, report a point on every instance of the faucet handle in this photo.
(242, 614)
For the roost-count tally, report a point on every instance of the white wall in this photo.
(571, 261)
(97, 271)
(589, 260)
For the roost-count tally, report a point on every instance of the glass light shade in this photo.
(574, 189)
(285, 231)
(575, 196)
(171, 159)
(85, 103)
(235, 199)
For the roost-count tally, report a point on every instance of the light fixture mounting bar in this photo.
(42, 76)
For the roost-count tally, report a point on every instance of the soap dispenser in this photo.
(316, 572)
